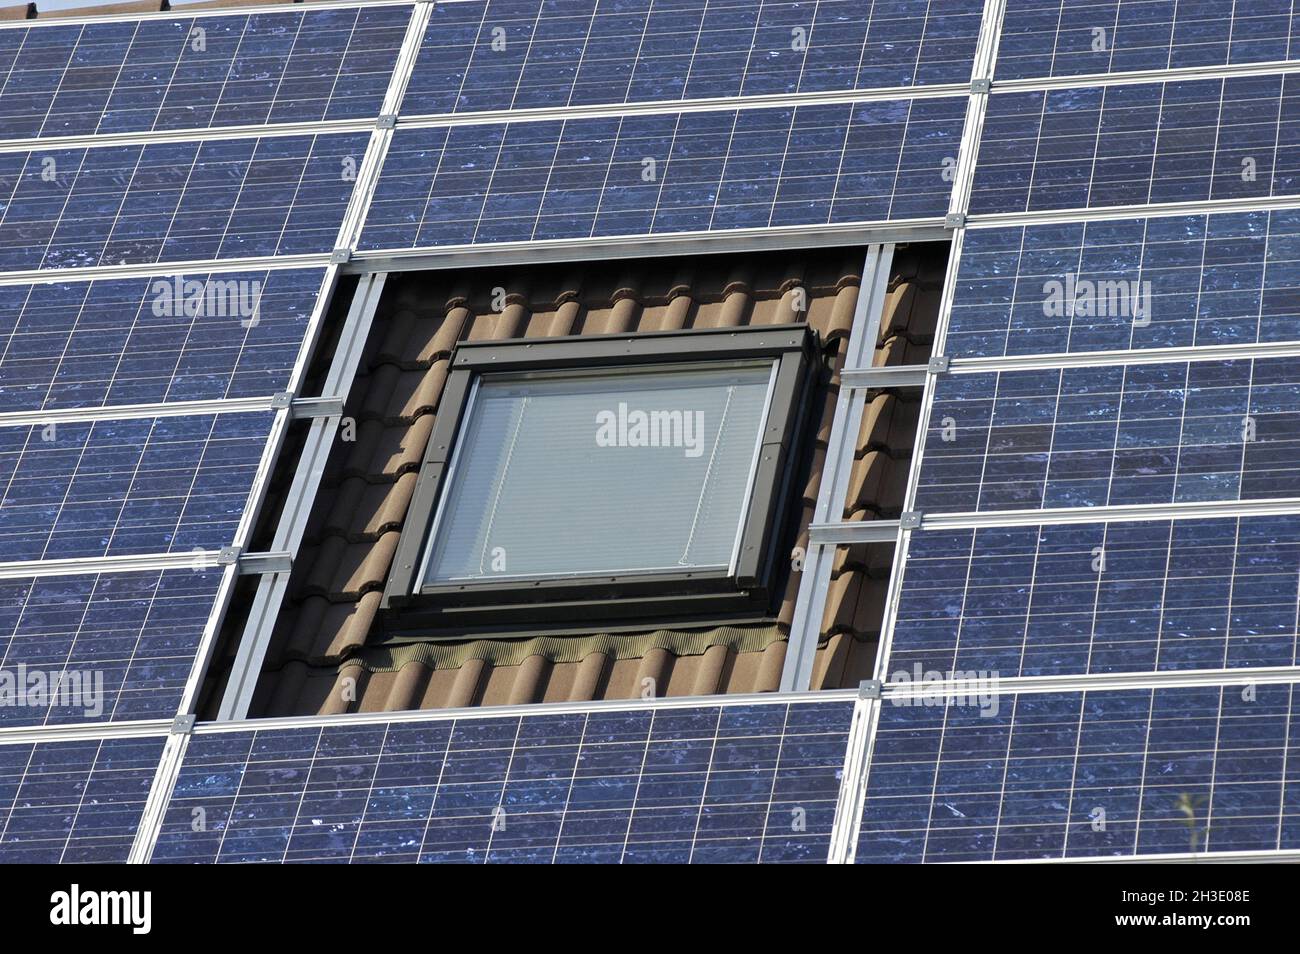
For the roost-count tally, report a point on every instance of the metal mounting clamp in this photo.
(937, 364)
(869, 689)
(910, 520)
(386, 121)
(182, 724)
(251, 564)
(954, 220)
(981, 85)
(307, 408)
(340, 256)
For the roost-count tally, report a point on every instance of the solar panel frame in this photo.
(1074, 774)
(155, 74)
(182, 201)
(206, 336)
(664, 174)
(122, 644)
(702, 783)
(1222, 279)
(1129, 145)
(74, 801)
(1048, 38)
(1110, 435)
(119, 487)
(1100, 598)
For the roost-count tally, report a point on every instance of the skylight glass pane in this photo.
(628, 471)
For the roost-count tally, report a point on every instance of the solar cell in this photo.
(107, 488)
(74, 802)
(1188, 140)
(1076, 599)
(1138, 283)
(106, 647)
(175, 201)
(704, 784)
(1074, 774)
(197, 72)
(1095, 436)
(1072, 37)
(136, 340)
(657, 174)
(523, 54)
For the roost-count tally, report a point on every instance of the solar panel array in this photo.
(122, 644)
(1122, 597)
(706, 784)
(1111, 435)
(1076, 37)
(1081, 774)
(533, 54)
(1176, 141)
(178, 195)
(1231, 278)
(197, 72)
(175, 202)
(182, 182)
(161, 338)
(664, 173)
(73, 802)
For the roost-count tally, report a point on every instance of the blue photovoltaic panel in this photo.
(197, 72)
(1168, 770)
(118, 646)
(1097, 436)
(74, 802)
(1128, 145)
(707, 784)
(1072, 37)
(108, 488)
(653, 174)
(1128, 283)
(1075, 599)
(197, 337)
(176, 201)
(522, 54)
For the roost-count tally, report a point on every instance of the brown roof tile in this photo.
(320, 660)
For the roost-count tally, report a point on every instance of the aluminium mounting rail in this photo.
(819, 558)
(256, 634)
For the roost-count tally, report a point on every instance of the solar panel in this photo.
(1181, 141)
(1076, 599)
(106, 647)
(73, 802)
(107, 488)
(653, 174)
(1096, 436)
(1128, 283)
(1072, 37)
(704, 784)
(198, 337)
(175, 201)
(527, 54)
(197, 72)
(1074, 774)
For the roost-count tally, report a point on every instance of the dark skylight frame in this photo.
(577, 602)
